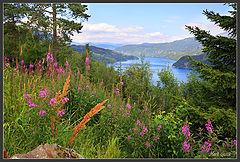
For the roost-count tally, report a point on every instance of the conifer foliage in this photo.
(221, 53)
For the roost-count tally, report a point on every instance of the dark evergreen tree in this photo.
(221, 52)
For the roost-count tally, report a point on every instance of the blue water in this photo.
(156, 64)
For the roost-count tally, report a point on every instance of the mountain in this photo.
(105, 45)
(183, 63)
(104, 54)
(171, 50)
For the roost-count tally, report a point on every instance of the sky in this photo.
(136, 23)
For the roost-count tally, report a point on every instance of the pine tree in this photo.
(221, 53)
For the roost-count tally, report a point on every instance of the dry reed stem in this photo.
(86, 118)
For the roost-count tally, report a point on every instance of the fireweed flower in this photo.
(114, 113)
(186, 146)
(43, 94)
(121, 83)
(33, 105)
(109, 106)
(39, 63)
(29, 102)
(87, 61)
(67, 64)
(128, 137)
(147, 144)
(128, 106)
(138, 122)
(26, 70)
(33, 132)
(159, 127)
(235, 143)
(101, 83)
(13, 60)
(65, 100)
(52, 101)
(22, 62)
(17, 67)
(142, 133)
(31, 66)
(78, 73)
(55, 64)
(93, 92)
(209, 126)
(87, 86)
(130, 130)
(156, 138)
(26, 96)
(79, 88)
(206, 146)
(185, 130)
(61, 112)
(42, 112)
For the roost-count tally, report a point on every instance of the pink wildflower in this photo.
(159, 127)
(128, 106)
(61, 112)
(186, 146)
(55, 64)
(26, 96)
(31, 66)
(109, 106)
(67, 64)
(33, 132)
(87, 86)
(93, 92)
(185, 130)
(156, 138)
(101, 83)
(147, 144)
(128, 137)
(41, 113)
(235, 143)
(206, 146)
(79, 88)
(22, 62)
(138, 122)
(43, 93)
(87, 61)
(52, 101)
(65, 100)
(209, 126)
(121, 83)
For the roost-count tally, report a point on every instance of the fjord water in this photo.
(156, 64)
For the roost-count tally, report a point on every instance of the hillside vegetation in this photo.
(172, 50)
(102, 54)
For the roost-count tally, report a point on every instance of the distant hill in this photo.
(104, 54)
(182, 63)
(172, 50)
(105, 45)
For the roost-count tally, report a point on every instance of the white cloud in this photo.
(153, 34)
(104, 27)
(103, 32)
(214, 29)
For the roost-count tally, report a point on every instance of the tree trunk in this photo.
(54, 31)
